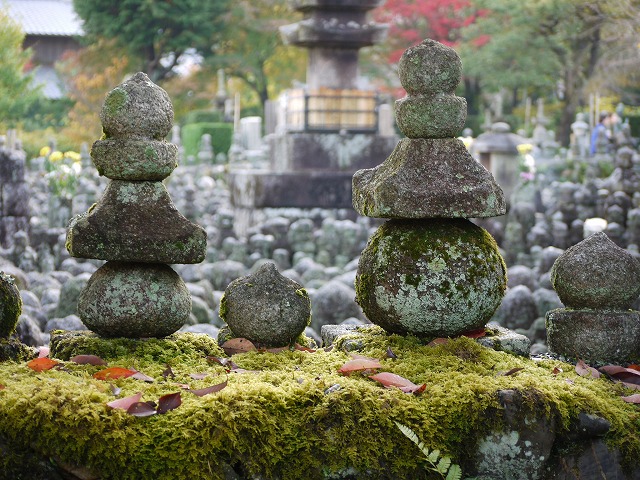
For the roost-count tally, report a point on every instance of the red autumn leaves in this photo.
(629, 376)
(389, 380)
(133, 405)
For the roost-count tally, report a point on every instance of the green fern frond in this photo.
(455, 473)
(440, 465)
(411, 435)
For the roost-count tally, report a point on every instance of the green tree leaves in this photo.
(158, 33)
(16, 95)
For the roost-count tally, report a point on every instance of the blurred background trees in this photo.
(560, 51)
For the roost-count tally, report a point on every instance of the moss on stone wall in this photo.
(292, 416)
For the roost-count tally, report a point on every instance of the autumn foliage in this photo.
(412, 21)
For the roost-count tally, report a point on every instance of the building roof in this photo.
(45, 17)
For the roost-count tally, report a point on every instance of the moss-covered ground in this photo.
(291, 415)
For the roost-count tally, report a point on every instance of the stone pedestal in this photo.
(599, 336)
(599, 283)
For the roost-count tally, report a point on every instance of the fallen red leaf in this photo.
(169, 402)
(201, 392)
(632, 398)
(303, 349)
(358, 365)
(2, 387)
(392, 380)
(113, 373)
(585, 370)
(41, 364)
(634, 367)
(633, 386)
(557, 370)
(477, 333)
(43, 352)
(126, 402)
(513, 371)
(627, 375)
(142, 409)
(437, 341)
(238, 345)
(87, 360)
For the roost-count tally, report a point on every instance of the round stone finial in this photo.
(597, 274)
(266, 307)
(137, 108)
(430, 67)
(10, 305)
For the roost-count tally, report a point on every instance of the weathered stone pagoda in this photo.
(429, 271)
(330, 128)
(135, 226)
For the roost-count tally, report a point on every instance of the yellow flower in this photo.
(524, 148)
(56, 156)
(75, 156)
(45, 151)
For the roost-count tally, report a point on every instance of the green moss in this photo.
(10, 305)
(116, 99)
(293, 414)
(222, 309)
(150, 153)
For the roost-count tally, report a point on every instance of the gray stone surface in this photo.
(28, 331)
(137, 108)
(69, 323)
(518, 308)
(428, 178)
(134, 159)
(136, 221)
(506, 340)
(431, 116)
(134, 300)
(522, 275)
(597, 274)
(522, 448)
(266, 308)
(333, 303)
(69, 294)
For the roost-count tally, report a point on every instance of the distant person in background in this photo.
(600, 135)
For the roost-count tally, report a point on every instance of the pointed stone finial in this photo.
(266, 307)
(596, 274)
(137, 108)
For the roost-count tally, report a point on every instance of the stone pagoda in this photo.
(331, 127)
(429, 271)
(135, 225)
